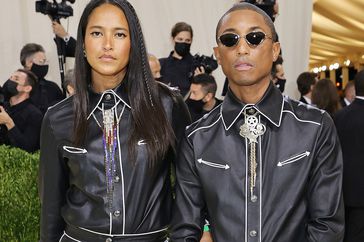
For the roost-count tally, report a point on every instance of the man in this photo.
(305, 83)
(265, 167)
(349, 124)
(349, 94)
(155, 67)
(202, 96)
(20, 120)
(45, 93)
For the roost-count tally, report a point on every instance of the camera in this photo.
(207, 62)
(55, 10)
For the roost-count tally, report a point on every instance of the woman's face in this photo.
(183, 36)
(107, 45)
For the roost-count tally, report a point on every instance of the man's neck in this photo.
(14, 100)
(250, 94)
(210, 105)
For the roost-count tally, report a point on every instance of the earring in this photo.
(84, 53)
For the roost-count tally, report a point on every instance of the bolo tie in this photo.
(251, 130)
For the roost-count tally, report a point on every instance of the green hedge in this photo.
(19, 202)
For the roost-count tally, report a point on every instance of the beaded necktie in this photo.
(109, 139)
(251, 130)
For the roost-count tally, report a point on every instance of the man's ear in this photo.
(276, 50)
(217, 54)
(28, 88)
(208, 96)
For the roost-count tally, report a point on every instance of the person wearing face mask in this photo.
(202, 96)
(278, 77)
(46, 93)
(20, 120)
(177, 68)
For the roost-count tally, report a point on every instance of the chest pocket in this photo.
(213, 164)
(293, 159)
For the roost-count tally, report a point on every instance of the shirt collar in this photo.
(360, 97)
(110, 97)
(270, 106)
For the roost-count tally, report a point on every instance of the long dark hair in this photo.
(149, 121)
(325, 96)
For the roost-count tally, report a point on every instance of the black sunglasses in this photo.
(253, 39)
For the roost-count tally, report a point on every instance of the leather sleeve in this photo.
(52, 184)
(187, 215)
(325, 201)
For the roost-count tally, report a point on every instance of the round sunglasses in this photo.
(253, 39)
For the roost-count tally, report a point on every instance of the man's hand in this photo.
(59, 30)
(6, 119)
(206, 237)
(199, 70)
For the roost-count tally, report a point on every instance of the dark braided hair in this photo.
(149, 121)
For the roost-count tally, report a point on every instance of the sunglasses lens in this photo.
(229, 39)
(255, 38)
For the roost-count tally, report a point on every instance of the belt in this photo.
(73, 233)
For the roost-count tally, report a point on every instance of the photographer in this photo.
(202, 96)
(20, 120)
(45, 93)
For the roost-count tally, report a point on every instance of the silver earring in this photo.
(84, 53)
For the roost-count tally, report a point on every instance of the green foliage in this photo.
(19, 202)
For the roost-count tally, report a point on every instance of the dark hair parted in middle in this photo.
(179, 27)
(149, 121)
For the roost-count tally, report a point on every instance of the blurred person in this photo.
(45, 93)
(177, 69)
(349, 124)
(305, 83)
(202, 96)
(155, 67)
(69, 82)
(349, 94)
(106, 152)
(325, 96)
(278, 77)
(68, 42)
(20, 120)
(241, 162)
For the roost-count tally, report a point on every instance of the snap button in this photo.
(108, 97)
(251, 111)
(253, 233)
(254, 198)
(117, 213)
(116, 179)
(108, 240)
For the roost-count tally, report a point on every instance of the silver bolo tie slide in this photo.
(251, 130)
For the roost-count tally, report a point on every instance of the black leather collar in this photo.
(270, 106)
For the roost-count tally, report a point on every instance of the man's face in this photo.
(155, 67)
(196, 92)
(38, 58)
(21, 79)
(243, 64)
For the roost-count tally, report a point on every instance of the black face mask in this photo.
(195, 106)
(182, 48)
(9, 89)
(40, 70)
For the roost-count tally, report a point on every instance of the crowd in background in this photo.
(27, 95)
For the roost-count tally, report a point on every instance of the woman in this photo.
(326, 97)
(177, 68)
(106, 151)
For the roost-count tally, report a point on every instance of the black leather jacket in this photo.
(298, 176)
(72, 179)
